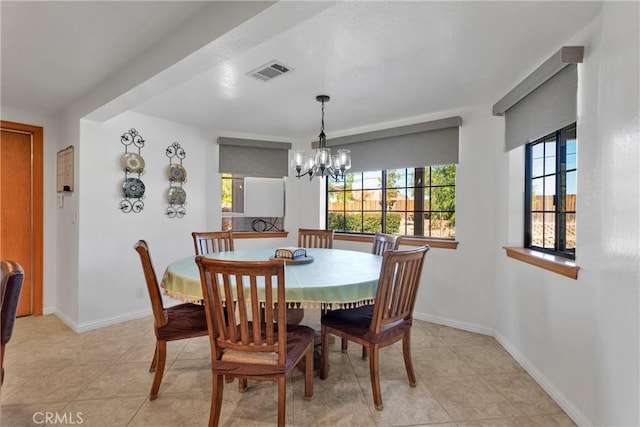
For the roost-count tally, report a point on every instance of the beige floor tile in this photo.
(104, 374)
(196, 348)
(487, 359)
(333, 404)
(559, 420)
(119, 380)
(470, 397)
(405, 405)
(391, 364)
(457, 337)
(52, 384)
(142, 351)
(30, 415)
(524, 393)
(188, 376)
(116, 412)
(175, 410)
(439, 362)
(340, 369)
(257, 406)
(420, 339)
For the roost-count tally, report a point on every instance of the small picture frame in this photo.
(65, 158)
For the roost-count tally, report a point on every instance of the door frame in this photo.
(37, 156)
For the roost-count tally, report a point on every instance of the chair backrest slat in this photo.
(397, 286)
(246, 292)
(383, 242)
(207, 242)
(312, 238)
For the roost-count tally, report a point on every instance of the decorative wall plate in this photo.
(132, 162)
(133, 188)
(177, 196)
(177, 173)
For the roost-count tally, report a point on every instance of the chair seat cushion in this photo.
(360, 316)
(299, 338)
(183, 320)
(357, 321)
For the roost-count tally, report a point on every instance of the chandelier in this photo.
(322, 163)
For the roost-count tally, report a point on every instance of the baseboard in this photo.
(471, 327)
(558, 396)
(49, 310)
(88, 326)
(65, 319)
(96, 324)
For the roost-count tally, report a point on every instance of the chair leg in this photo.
(324, 357)
(345, 345)
(308, 373)
(282, 402)
(374, 371)
(365, 352)
(408, 363)
(217, 390)
(161, 355)
(242, 385)
(154, 361)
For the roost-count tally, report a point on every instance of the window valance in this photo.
(543, 102)
(416, 145)
(253, 157)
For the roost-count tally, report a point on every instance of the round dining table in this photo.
(331, 279)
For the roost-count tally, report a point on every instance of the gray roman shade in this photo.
(544, 102)
(253, 157)
(416, 145)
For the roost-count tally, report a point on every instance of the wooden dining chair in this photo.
(312, 238)
(266, 349)
(385, 322)
(402, 240)
(173, 323)
(11, 278)
(206, 242)
(381, 242)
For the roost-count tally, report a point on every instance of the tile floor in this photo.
(100, 378)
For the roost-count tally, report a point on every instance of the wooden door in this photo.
(21, 208)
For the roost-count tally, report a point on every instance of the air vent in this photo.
(269, 71)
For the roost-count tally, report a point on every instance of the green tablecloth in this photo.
(335, 279)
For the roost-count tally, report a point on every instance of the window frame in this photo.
(418, 173)
(560, 178)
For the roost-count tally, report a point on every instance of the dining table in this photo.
(327, 279)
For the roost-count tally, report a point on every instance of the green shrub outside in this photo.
(367, 223)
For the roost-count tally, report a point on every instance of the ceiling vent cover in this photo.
(269, 71)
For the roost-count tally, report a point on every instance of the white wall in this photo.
(109, 273)
(580, 338)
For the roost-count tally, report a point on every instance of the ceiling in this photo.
(379, 61)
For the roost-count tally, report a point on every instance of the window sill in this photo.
(433, 243)
(259, 234)
(556, 264)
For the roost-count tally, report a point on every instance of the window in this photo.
(239, 215)
(412, 201)
(550, 193)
